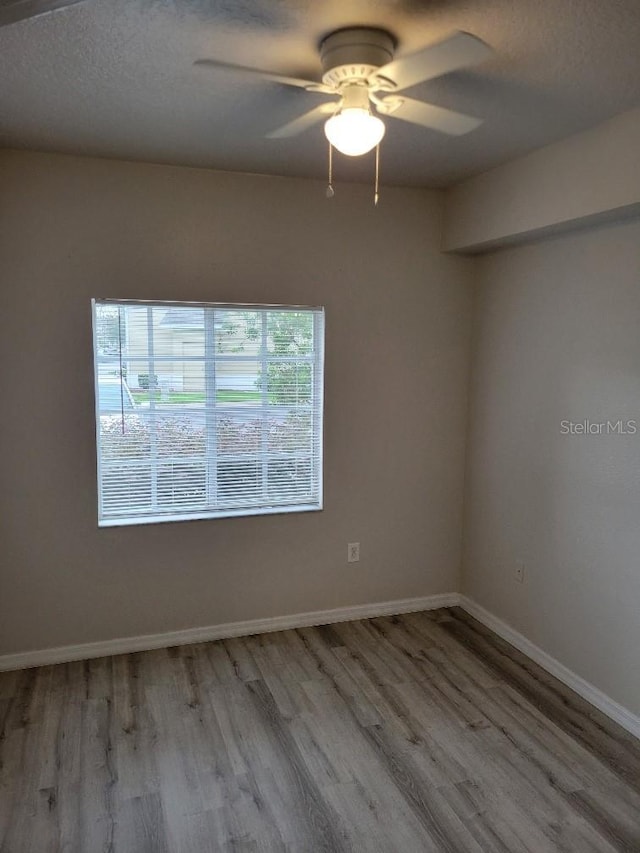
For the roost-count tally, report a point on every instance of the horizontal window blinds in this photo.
(207, 410)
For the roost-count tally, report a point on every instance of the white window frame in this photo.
(316, 359)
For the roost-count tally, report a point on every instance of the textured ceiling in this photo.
(115, 78)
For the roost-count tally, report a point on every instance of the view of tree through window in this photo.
(207, 410)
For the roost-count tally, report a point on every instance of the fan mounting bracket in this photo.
(345, 75)
(386, 106)
(354, 54)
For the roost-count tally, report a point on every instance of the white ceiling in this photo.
(115, 78)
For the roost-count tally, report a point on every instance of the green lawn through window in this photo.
(181, 397)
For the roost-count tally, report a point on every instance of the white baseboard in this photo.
(145, 642)
(618, 713)
(125, 645)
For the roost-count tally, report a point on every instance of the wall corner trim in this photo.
(146, 642)
(616, 712)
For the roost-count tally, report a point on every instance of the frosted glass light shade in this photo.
(354, 131)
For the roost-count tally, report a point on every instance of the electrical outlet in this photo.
(353, 552)
(519, 573)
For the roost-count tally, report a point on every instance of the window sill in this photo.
(202, 516)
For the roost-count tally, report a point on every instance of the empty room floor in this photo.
(422, 732)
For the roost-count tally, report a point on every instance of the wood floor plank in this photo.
(614, 746)
(422, 732)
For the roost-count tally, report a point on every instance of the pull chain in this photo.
(376, 194)
(330, 191)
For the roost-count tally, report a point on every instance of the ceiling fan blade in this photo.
(428, 115)
(12, 11)
(309, 85)
(304, 122)
(459, 51)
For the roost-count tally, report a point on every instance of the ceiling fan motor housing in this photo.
(353, 54)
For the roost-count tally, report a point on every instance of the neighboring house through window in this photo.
(207, 411)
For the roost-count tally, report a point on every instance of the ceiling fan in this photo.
(359, 70)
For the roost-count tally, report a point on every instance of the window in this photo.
(206, 411)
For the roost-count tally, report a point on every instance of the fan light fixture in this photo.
(354, 131)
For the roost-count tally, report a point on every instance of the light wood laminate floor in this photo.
(421, 732)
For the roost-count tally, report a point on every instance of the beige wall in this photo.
(557, 337)
(397, 355)
(587, 178)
